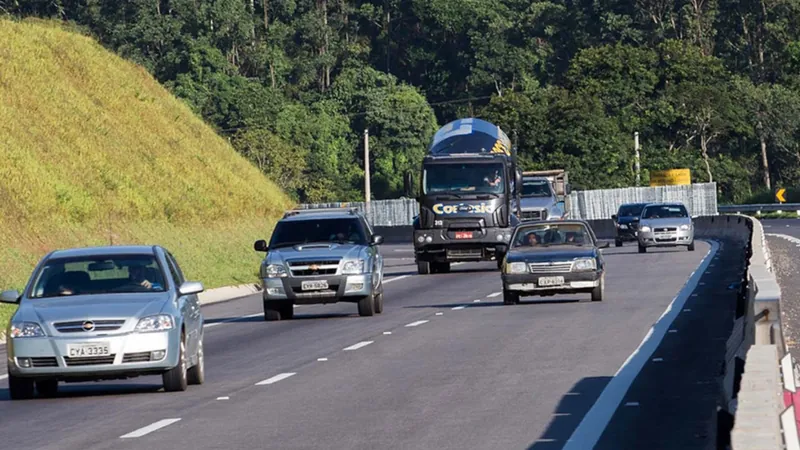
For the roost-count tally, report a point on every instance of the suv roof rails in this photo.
(295, 212)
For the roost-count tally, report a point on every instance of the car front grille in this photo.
(99, 325)
(136, 357)
(312, 268)
(555, 267)
(665, 229)
(89, 361)
(45, 361)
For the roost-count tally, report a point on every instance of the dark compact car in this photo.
(626, 221)
(553, 257)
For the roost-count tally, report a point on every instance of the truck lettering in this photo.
(441, 208)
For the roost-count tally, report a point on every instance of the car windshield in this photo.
(664, 212)
(294, 232)
(536, 188)
(552, 234)
(92, 275)
(463, 178)
(630, 210)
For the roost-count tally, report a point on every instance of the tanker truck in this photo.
(468, 182)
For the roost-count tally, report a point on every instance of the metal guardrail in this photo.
(771, 207)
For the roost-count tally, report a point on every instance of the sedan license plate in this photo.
(463, 234)
(88, 350)
(314, 285)
(551, 281)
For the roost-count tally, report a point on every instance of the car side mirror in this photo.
(260, 245)
(567, 189)
(191, 287)
(376, 240)
(614, 217)
(10, 297)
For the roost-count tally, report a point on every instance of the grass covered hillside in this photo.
(93, 150)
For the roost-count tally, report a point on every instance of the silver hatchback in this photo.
(665, 225)
(105, 313)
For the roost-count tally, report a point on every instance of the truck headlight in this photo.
(353, 267)
(161, 322)
(516, 267)
(584, 264)
(645, 229)
(684, 227)
(273, 271)
(26, 330)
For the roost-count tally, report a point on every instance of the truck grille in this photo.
(456, 253)
(556, 267)
(312, 268)
(99, 325)
(533, 215)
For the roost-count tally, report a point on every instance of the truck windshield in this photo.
(294, 232)
(460, 178)
(536, 188)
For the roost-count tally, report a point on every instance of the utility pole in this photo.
(367, 192)
(638, 166)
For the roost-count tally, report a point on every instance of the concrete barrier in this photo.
(759, 394)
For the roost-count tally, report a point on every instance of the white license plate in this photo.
(314, 285)
(551, 281)
(88, 350)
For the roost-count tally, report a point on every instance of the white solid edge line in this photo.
(149, 429)
(595, 421)
(419, 322)
(359, 345)
(209, 325)
(396, 278)
(276, 378)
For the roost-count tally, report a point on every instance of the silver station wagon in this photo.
(105, 313)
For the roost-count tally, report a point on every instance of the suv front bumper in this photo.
(339, 287)
(440, 244)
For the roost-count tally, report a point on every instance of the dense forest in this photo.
(712, 85)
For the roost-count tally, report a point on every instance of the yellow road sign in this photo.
(779, 195)
(670, 177)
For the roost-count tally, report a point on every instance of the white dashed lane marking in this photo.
(149, 429)
(359, 345)
(276, 378)
(494, 294)
(459, 307)
(414, 324)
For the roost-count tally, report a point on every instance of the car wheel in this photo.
(444, 267)
(510, 298)
(366, 306)
(599, 291)
(691, 247)
(287, 311)
(20, 388)
(642, 249)
(379, 303)
(271, 312)
(176, 379)
(423, 267)
(197, 373)
(618, 243)
(47, 388)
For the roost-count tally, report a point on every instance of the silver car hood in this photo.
(99, 306)
(667, 222)
(316, 251)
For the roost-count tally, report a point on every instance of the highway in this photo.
(446, 366)
(783, 240)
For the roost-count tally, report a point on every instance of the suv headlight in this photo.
(26, 329)
(684, 227)
(353, 267)
(584, 264)
(516, 267)
(273, 271)
(645, 229)
(161, 322)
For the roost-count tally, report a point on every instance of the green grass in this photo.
(94, 150)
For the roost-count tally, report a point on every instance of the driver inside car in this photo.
(136, 275)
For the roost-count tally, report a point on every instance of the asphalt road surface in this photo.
(446, 366)
(783, 240)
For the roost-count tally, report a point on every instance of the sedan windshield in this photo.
(91, 275)
(664, 212)
(545, 235)
(293, 232)
(537, 188)
(630, 210)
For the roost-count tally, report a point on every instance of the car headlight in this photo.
(353, 267)
(584, 264)
(622, 226)
(161, 322)
(645, 229)
(516, 267)
(26, 330)
(684, 227)
(273, 271)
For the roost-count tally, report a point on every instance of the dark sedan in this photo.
(626, 222)
(549, 258)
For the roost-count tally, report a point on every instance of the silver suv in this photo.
(321, 256)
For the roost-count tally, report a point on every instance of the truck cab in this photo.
(544, 195)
